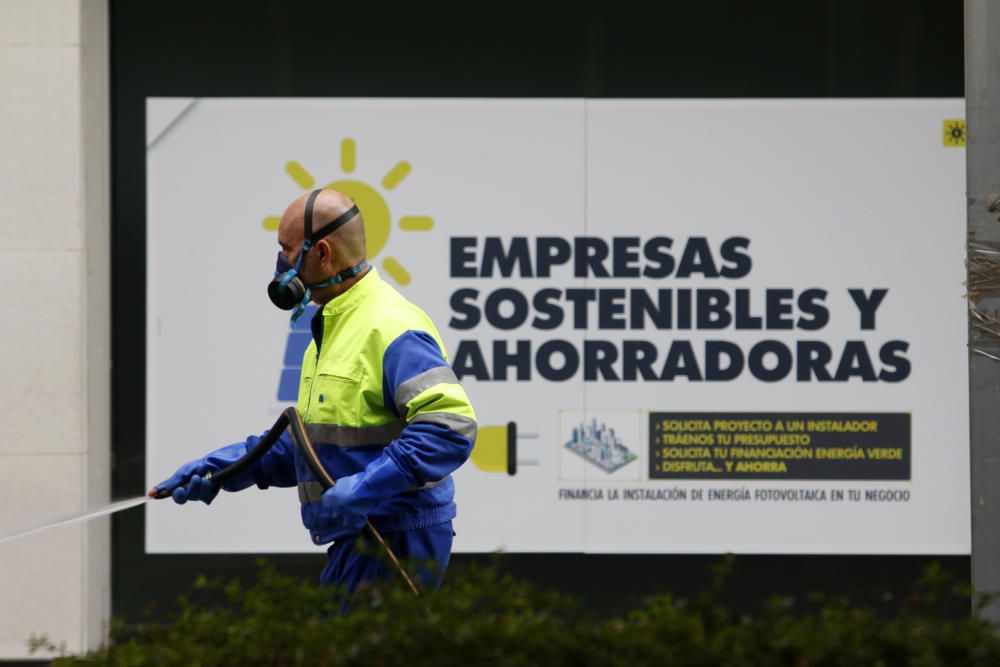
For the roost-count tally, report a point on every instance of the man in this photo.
(380, 402)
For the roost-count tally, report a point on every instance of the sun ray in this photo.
(396, 270)
(396, 175)
(271, 223)
(348, 155)
(416, 223)
(300, 175)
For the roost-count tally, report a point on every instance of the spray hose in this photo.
(292, 420)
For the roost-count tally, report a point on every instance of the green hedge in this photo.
(482, 617)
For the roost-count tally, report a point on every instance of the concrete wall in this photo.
(54, 319)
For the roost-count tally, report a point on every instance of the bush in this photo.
(483, 617)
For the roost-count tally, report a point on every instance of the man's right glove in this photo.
(188, 483)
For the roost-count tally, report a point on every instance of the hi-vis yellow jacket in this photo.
(376, 390)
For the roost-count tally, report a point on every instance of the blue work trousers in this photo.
(425, 552)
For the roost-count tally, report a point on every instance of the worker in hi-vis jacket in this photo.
(385, 412)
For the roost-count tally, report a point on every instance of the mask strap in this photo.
(342, 276)
(331, 226)
(336, 223)
(301, 308)
(308, 218)
(333, 280)
(290, 275)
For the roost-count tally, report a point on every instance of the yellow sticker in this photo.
(954, 132)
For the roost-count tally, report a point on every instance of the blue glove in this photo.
(350, 509)
(354, 497)
(188, 483)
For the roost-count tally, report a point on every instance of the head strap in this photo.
(331, 226)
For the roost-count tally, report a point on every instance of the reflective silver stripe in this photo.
(353, 436)
(310, 492)
(431, 485)
(418, 384)
(457, 423)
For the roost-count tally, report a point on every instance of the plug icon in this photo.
(495, 449)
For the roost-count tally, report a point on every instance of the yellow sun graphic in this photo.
(378, 220)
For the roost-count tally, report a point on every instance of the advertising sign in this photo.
(686, 326)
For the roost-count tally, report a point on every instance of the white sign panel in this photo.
(686, 326)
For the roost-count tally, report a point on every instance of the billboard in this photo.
(686, 326)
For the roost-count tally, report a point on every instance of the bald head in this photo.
(347, 243)
(331, 254)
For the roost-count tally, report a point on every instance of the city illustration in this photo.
(599, 445)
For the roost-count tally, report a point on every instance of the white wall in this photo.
(54, 319)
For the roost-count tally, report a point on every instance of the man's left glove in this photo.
(354, 497)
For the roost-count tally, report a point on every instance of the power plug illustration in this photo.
(496, 449)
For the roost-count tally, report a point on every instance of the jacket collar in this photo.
(357, 293)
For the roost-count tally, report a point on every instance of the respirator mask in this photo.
(287, 289)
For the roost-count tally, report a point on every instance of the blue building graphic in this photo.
(598, 445)
(298, 341)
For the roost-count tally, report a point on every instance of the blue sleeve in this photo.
(419, 385)
(275, 468)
